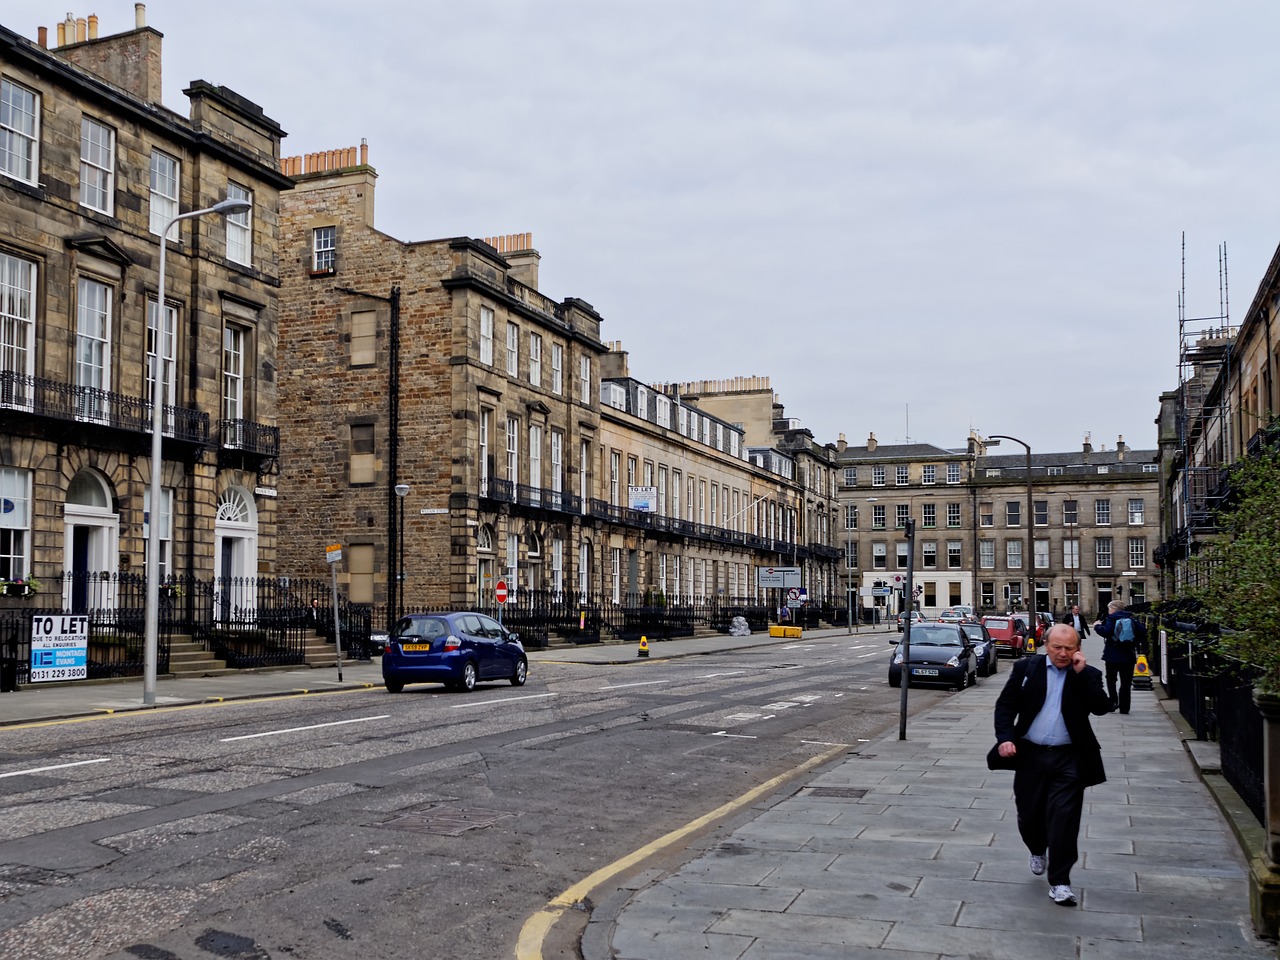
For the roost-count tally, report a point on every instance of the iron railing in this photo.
(62, 401)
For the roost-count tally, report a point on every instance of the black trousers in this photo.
(1050, 800)
(1123, 672)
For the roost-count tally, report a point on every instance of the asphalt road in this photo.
(428, 823)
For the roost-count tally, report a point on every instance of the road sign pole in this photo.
(906, 633)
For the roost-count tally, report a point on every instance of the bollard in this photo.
(1142, 673)
(644, 647)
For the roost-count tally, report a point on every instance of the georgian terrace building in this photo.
(92, 167)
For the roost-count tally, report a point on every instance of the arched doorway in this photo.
(91, 535)
(235, 552)
(484, 564)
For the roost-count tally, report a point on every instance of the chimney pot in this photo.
(62, 34)
(42, 33)
(93, 26)
(139, 15)
(82, 30)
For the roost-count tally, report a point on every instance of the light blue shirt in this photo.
(1048, 728)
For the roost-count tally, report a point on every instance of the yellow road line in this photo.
(535, 929)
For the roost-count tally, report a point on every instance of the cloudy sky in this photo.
(915, 217)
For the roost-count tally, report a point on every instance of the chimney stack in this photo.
(842, 444)
(1088, 446)
(871, 443)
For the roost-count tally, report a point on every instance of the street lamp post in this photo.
(402, 491)
(151, 634)
(1029, 559)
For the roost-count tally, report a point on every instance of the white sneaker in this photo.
(1062, 895)
(1036, 864)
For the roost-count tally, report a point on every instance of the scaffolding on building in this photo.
(1205, 346)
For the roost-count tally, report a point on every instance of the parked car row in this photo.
(954, 654)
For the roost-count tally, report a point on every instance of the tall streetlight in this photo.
(402, 491)
(1029, 560)
(151, 635)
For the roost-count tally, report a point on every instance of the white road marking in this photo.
(314, 726)
(874, 653)
(743, 717)
(56, 766)
(485, 703)
(735, 736)
(824, 743)
(646, 683)
(779, 705)
(708, 676)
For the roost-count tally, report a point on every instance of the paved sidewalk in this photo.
(909, 850)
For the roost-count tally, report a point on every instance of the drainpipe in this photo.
(394, 534)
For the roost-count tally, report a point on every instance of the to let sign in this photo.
(500, 591)
(59, 648)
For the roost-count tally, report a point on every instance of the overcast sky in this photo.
(913, 217)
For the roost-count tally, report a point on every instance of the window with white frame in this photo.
(615, 480)
(901, 550)
(902, 514)
(953, 473)
(662, 490)
(19, 131)
(987, 514)
(877, 476)
(987, 590)
(324, 250)
(584, 381)
(1070, 512)
(1013, 554)
(15, 523)
(535, 458)
(235, 352)
(1071, 554)
(584, 569)
(167, 340)
(987, 554)
(851, 516)
(902, 475)
(557, 369)
(664, 412)
(557, 566)
(850, 476)
(877, 516)
(879, 555)
(1151, 468)
(486, 335)
(485, 427)
(1041, 554)
(1013, 513)
(1041, 508)
(1104, 468)
(557, 465)
(642, 402)
(954, 555)
(929, 474)
(513, 561)
(164, 193)
(513, 449)
(993, 471)
(1102, 553)
(929, 555)
(1054, 471)
(584, 473)
(1136, 512)
(1102, 513)
(97, 165)
(851, 554)
(165, 532)
(675, 494)
(240, 227)
(1137, 553)
(17, 324)
(929, 515)
(953, 514)
(93, 347)
(535, 359)
(616, 563)
(513, 350)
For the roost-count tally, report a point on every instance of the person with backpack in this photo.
(1124, 635)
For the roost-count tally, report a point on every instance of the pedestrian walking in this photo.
(1042, 728)
(1125, 636)
(1077, 620)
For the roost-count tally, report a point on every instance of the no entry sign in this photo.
(500, 591)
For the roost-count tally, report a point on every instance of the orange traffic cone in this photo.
(644, 647)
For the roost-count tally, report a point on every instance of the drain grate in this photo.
(843, 793)
(446, 821)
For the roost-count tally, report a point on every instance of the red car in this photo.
(1009, 633)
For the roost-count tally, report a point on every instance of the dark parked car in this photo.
(1008, 633)
(456, 649)
(940, 653)
(984, 647)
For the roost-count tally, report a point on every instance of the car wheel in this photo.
(468, 681)
(394, 686)
(895, 683)
(522, 671)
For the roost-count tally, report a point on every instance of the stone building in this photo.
(92, 166)
(1094, 525)
(434, 404)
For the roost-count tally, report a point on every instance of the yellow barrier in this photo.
(778, 630)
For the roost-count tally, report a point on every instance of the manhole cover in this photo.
(445, 821)
(844, 793)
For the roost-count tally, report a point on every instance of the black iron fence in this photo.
(248, 622)
(1215, 696)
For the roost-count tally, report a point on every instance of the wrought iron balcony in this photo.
(62, 401)
(250, 437)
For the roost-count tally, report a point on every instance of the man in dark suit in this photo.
(1077, 620)
(1042, 720)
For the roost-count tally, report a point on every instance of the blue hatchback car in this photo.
(456, 649)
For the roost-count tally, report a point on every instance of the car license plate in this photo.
(924, 672)
(421, 647)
